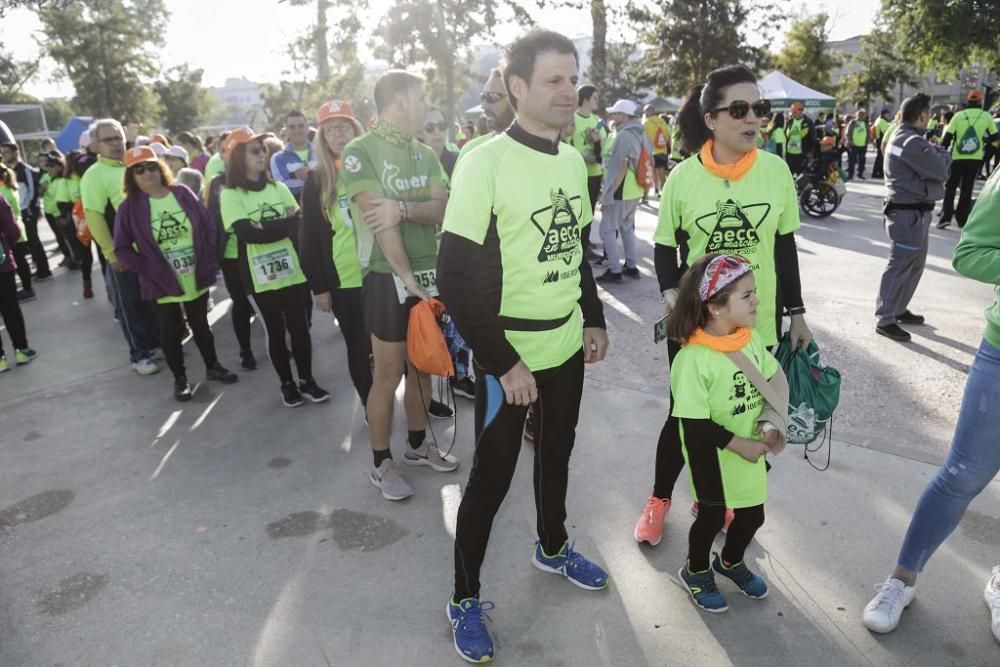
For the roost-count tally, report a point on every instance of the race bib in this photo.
(426, 279)
(345, 211)
(272, 266)
(794, 145)
(182, 260)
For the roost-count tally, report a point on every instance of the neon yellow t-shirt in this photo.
(970, 128)
(102, 188)
(15, 207)
(213, 168)
(272, 266)
(795, 133)
(707, 385)
(582, 125)
(658, 132)
(345, 243)
(174, 235)
(537, 203)
(737, 217)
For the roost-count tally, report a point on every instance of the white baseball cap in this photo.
(178, 152)
(627, 107)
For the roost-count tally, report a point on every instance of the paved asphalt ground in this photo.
(233, 531)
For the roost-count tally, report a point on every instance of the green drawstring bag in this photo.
(969, 143)
(813, 392)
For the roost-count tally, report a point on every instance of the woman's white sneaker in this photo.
(992, 597)
(883, 612)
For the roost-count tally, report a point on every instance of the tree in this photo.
(439, 36)
(622, 79)
(942, 34)
(598, 50)
(105, 48)
(183, 100)
(687, 39)
(880, 68)
(14, 74)
(805, 57)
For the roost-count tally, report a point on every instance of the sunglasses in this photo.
(256, 150)
(491, 98)
(739, 109)
(439, 126)
(143, 167)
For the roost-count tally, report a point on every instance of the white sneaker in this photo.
(883, 612)
(146, 367)
(389, 481)
(429, 455)
(992, 597)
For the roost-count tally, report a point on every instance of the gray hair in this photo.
(192, 178)
(96, 126)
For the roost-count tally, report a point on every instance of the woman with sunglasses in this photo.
(435, 135)
(328, 246)
(164, 234)
(261, 214)
(729, 198)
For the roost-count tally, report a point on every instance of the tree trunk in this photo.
(447, 64)
(322, 54)
(598, 53)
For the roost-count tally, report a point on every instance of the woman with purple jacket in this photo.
(10, 309)
(164, 234)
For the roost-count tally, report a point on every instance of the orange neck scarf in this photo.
(734, 342)
(731, 172)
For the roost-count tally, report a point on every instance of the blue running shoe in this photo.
(472, 639)
(571, 565)
(751, 584)
(702, 589)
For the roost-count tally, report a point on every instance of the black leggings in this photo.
(82, 253)
(241, 311)
(669, 458)
(23, 268)
(706, 526)
(347, 309)
(11, 311)
(282, 311)
(498, 443)
(172, 316)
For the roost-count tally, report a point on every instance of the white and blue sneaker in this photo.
(571, 565)
(472, 639)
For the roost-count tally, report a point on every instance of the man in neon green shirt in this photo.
(967, 134)
(879, 130)
(856, 137)
(590, 138)
(102, 191)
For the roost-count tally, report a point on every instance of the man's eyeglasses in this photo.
(491, 98)
(439, 126)
(143, 167)
(112, 140)
(740, 108)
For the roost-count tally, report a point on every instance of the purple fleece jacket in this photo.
(156, 277)
(9, 233)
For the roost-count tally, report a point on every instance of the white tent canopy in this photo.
(783, 91)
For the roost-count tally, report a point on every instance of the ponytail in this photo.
(704, 97)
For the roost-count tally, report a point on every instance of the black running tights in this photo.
(282, 311)
(708, 524)
(172, 316)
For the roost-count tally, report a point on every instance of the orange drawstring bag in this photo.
(425, 342)
(80, 222)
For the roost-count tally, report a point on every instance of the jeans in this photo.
(974, 460)
(856, 160)
(136, 317)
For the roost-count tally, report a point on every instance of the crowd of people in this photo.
(365, 223)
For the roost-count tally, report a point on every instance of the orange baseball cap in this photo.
(797, 106)
(974, 96)
(339, 109)
(134, 156)
(241, 135)
(159, 137)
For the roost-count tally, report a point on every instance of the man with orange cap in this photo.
(969, 131)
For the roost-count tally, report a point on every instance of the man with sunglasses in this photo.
(102, 191)
(496, 106)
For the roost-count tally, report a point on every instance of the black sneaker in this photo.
(25, 294)
(290, 395)
(312, 391)
(910, 318)
(609, 276)
(632, 272)
(41, 277)
(464, 386)
(894, 332)
(439, 410)
(247, 360)
(219, 373)
(593, 255)
(182, 390)
(943, 224)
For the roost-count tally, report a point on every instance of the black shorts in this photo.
(385, 317)
(661, 161)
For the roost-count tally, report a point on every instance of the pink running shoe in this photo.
(729, 516)
(649, 527)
